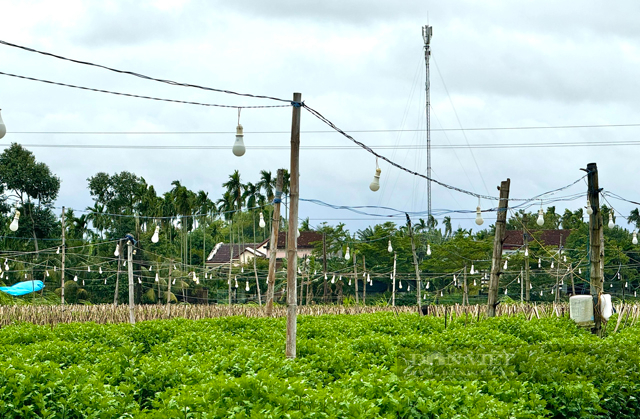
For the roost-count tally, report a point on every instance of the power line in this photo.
(142, 76)
(138, 96)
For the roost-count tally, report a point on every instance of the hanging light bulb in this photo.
(83, 282)
(408, 288)
(14, 224)
(369, 278)
(474, 282)
(75, 278)
(347, 256)
(173, 282)
(472, 271)
(505, 291)
(349, 281)
(375, 184)
(1, 275)
(589, 208)
(611, 223)
(441, 295)
(400, 284)
(139, 281)
(518, 280)
(428, 250)
(552, 291)
(340, 279)
(124, 263)
(47, 274)
(261, 223)
(551, 264)
(424, 297)
(116, 252)
(100, 269)
(390, 248)
(157, 279)
(58, 251)
(526, 251)
(540, 293)
(156, 235)
(238, 146)
(539, 263)
(580, 271)
(315, 271)
(333, 279)
(564, 258)
(530, 286)
(3, 128)
(428, 284)
(236, 280)
(479, 219)
(454, 280)
(505, 264)
(246, 288)
(634, 240)
(55, 269)
(241, 270)
(325, 276)
(540, 220)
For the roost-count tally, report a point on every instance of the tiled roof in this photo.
(513, 239)
(304, 241)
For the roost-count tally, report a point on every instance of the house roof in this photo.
(514, 239)
(304, 241)
(222, 252)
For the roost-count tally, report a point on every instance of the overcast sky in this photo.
(361, 64)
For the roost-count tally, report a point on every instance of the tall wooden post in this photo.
(292, 257)
(573, 286)
(496, 260)
(393, 292)
(595, 232)
(364, 281)
(115, 293)
(273, 243)
(355, 274)
(132, 314)
(465, 296)
(324, 267)
(521, 286)
(63, 259)
(415, 263)
(527, 282)
(230, 257)
(255, 256)
(169, 288)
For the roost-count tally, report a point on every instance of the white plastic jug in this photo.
(605, 306)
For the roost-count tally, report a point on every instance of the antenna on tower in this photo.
(427, 34)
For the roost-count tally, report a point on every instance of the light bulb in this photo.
(58, 251)
(173, 282)
(589, 209)
(246, 288)
(347, 256)
(428, 284)
(150, 268)
(325, 276)
(14, 223)
(156, 235)
(580, 271)
(539, 263)
(83, 282)
(454, 280)
(526, 251)
(238, 146)
(400, 284)
(564, 258)
(1, 275)
(505, 291)
(262, 224)
(479, 219)
(55, 269)
(408, 288)
(518, 280)
(88, 268)
(530, 286)
(116, 252)
(610, 225)
(236, 284)
(540, 293)
(75, 278)
(241, 270)
(3, 128)
(124, 263)
(472, 271)
(441, 295)
(390, 248)
(635, 238)
(157, 279)
(505, 264)
(139, 281)
(340, 278)
(375, 184)
(474, 283)
(540, 221)
(552, 264)
(369, 279)
(428, 250)
(100, 269)
(333, 279)
(47, 274)
(349, 281)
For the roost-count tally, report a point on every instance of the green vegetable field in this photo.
(359, 366)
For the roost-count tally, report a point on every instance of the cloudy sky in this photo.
(495, 64)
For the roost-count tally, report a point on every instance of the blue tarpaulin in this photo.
(23, 288)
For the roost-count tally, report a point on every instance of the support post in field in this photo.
(292, 250)
(132, 314)
(355, 274)
(115, 293)
(465, 295)
(273, 243)
(415, 263)
(527, 281)
(496, 260)
(364, 281)
(595, 246)
(324, 267)
(393, 292)
(63, 259)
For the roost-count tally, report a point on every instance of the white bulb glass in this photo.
(347, 256)
(526, 251)
(479, 219)
(157, 279)
(14, 223)
(75, 278)
(400, 284)
(472, 271)
(408, 288)
(635, 238)
(116, 252)
(238, 146)
(552, 264)
(100, 269)
(375, 184)
(390, 248)
(611, 223)
(589, 209)
(47, 274)
(246, 288)
(261, 223)
(3, 128)
(540, 221)
(156, 235)
(58, 251)
(505, 264)
(333, 279)
(428, 284)
(428, 250)
(88, 268)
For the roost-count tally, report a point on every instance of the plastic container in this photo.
(607, 307)
(581, 308)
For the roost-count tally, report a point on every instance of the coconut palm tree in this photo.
(267, 183)
(235, 189)
(253, 196)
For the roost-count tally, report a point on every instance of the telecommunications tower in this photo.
(427, 34)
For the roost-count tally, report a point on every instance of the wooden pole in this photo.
(501, 221)
(355, 274)
(573, 286)
(169, 288)
(115, 293)
(393, 292)
(132, 314)
(527, 282)
(465, 296)
(364, 281)
(230, 256)
(557, 296)
(324, 267)
(63, 259)
(273, 243)
(292, 257)
(415, 263)
(595, 231)
(521, 286)
(255, 255)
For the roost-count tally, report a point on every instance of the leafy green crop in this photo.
(347, 366)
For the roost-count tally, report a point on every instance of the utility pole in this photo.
(465, 295)
(132, 314)
(63, 259)
(255, 256)
(427, 33)
(273, 243)
(527, 283)
(557, 299)
(169, 288)
(573, 286)
(595, 233)
(292, 257)
(393, 292)
(521, 286)
(115, 293)
(364, 281)
(501, 221)
(415, 263)
(324, 266)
